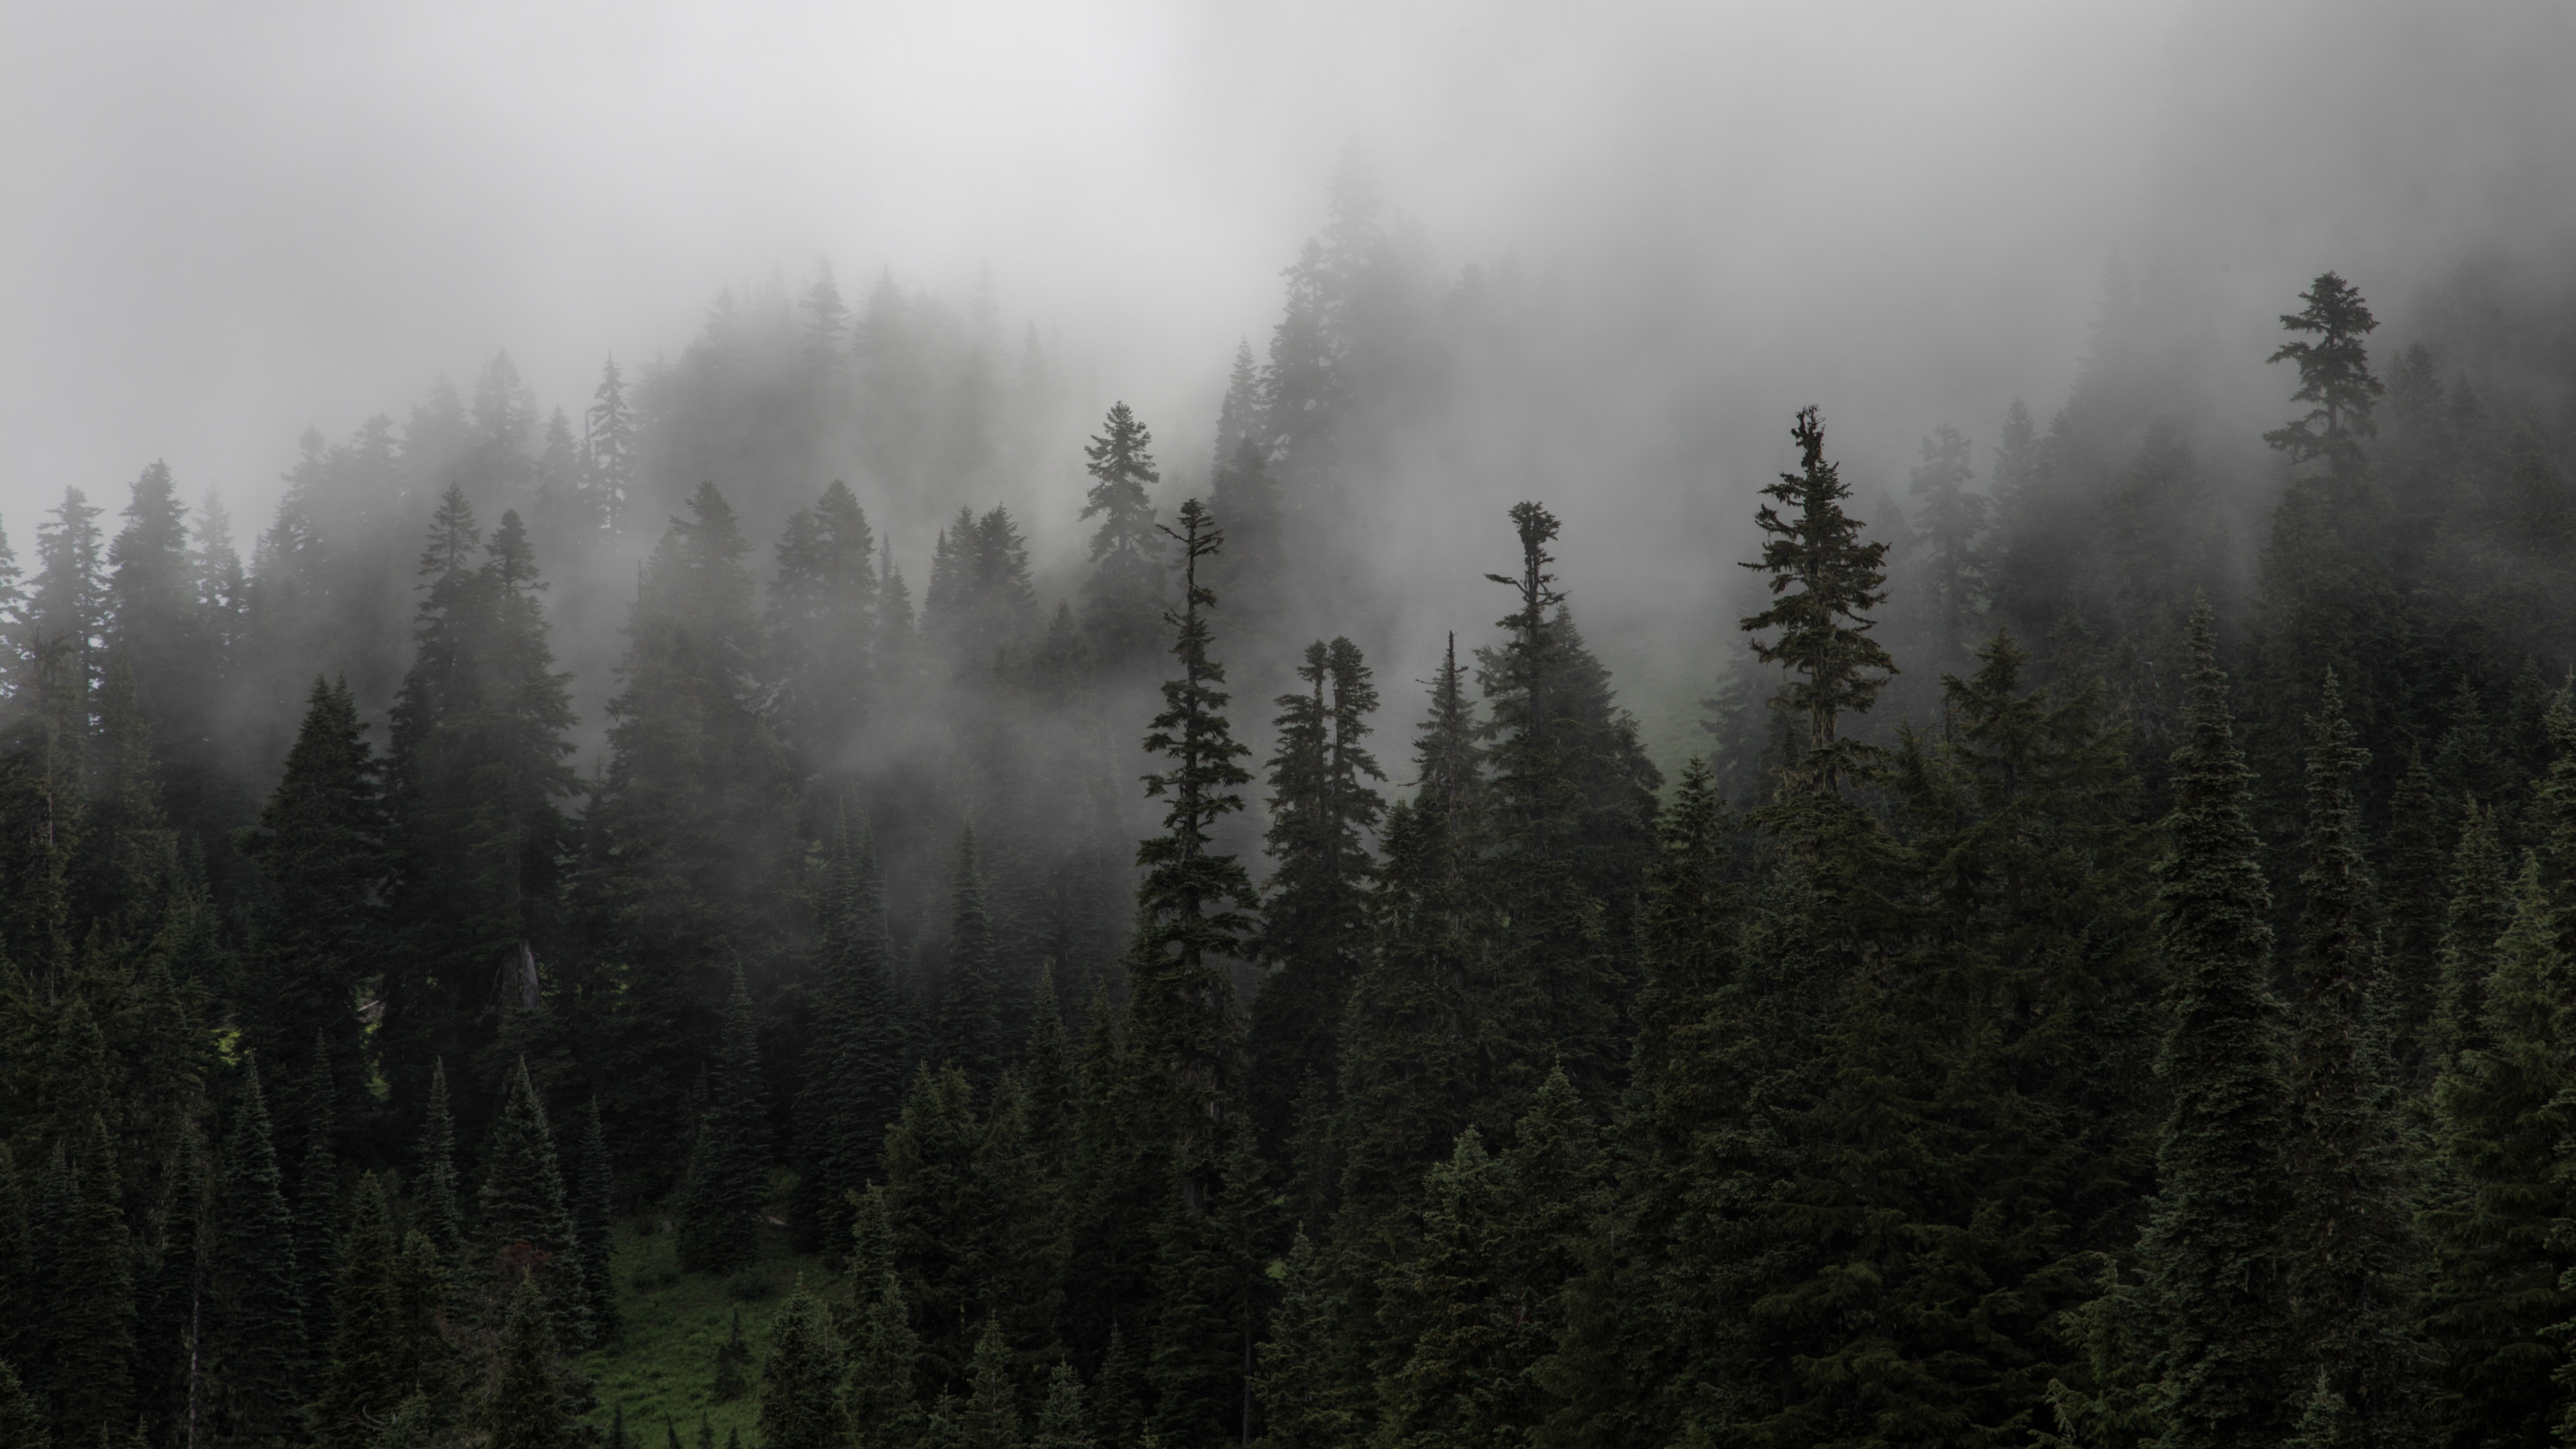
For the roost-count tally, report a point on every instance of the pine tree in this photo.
(2352, 1247)
(1951, 522)
(593, 1224)
(525, 1409)
(1125, 591)
(1061, 1423)
(728, 1166)
(991, 1413)
(257, 1334)
(521, 1205)
(822, 623)
(318, 851)
(800, 1383)
(317, 1205)
(2334, 375)
(1823, 627)
(1314, 921)
(373, 1360)
(2413, 942)
(436, 1207)
(1119, 1416)
(1302, 1391)
(2212, 1251)
(92, 1296)
(846, 1105)
(609, 438)
(2480, 911)
(882, 1393)
(970, 1000)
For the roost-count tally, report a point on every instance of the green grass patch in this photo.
(664, 1362)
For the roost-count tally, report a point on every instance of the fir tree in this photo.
(609, 437)
(1314, 928)
(525, 1409)
(2351, 1243)
(822, 621)
(257, 1335)
(1060, 1423)
(22, 1423)
(2212, 1251)
(732, 1377)
(2479, 913)
(882, 1393)
(2414, 881)
(593, 1224)
(970, 1001)
(317, 1206)
(91, 1292)
(990, 1417)
(523, 1189)
(1125, 590)
(800, 1383)
(728, 1165)
(1301, 1387)
(847, 1103)
(373, 1356)
(2334, 376)
(1815, 550)
(318, 851)
(436, 1207)
(1951, 522)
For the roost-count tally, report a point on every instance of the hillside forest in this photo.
(2101, 970)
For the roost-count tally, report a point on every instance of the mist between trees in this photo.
(2098, 973)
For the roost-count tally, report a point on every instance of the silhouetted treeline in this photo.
(2105, 983)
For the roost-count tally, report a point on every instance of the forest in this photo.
(2101, 970)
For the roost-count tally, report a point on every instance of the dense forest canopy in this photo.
(1062, 926)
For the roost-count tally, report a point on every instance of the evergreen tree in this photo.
(821, 623)
(2334, 376)
(2413, 852)
(1125, 590)
(990, 1417)
(609, 440)
(728, 1165)
(732, 1378)
(376, 1349)
(91, 1290)
(1061, 1424)
(847, 1103)
(1314, 932)
(2480, 911)
(970, 1000)
(800, 1383)
(22, 1424)
(257, 1336)
(318, 851)
(1823, 627)
(594, 1224)
(1304, 1397)
(1950, 522)
(2224, 1364)
(2350, 1266)
(436, 1207)
(525, 1409)
(882, 1393)
(525, 1227)
(317, 1206)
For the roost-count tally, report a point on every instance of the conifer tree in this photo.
(593, 1224)
(732, 1378)
(436, 1207)
(257, 1337)
(1302, 1389)
(990, 1417)
(1951, 523)
(2334, 376)
(525, 1409)
(318, 851)
(1118, 1418)
(373, 1355)
(846, 1104)
(970, 1001)
(1823, 582)
(2479, 913)
(317, 1206)
(17, 1267)
(2351, 1244)
(728, 1164)
(91, 1291)
(882, 1393)
(2224, 1364)
(1125, 590)
(800, 1382)
(609, 437)
(1193, 900)
(22, 1423)
(523, 1191)
(1061, 1423)
(1314, 930)
(2414, 881)
(822, 621)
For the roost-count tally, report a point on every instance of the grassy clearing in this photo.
(664, 1364)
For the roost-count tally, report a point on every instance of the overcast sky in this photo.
(222, 222)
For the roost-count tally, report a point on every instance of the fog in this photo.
(228, 223)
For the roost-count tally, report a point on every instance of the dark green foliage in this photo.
(2334, 375)
(1314, 927)
(883, 1389)
(1304, 1398)
(800, 1381)
(990, 1417)
(22, 1423)
(384, 1342)
(2480, 911)
(593, 1219)
(848, 1102)
(256, 1338)
(2413, 888)
(522, 1201)
(1823, 582)
(91, 1296)
(436, 1206)
(728, 1164)
(1060, 1423)
(318, 848)
(317, 1204)
(525, 1407)
(732, 1377)
(970, 999)
(2212, 1252)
